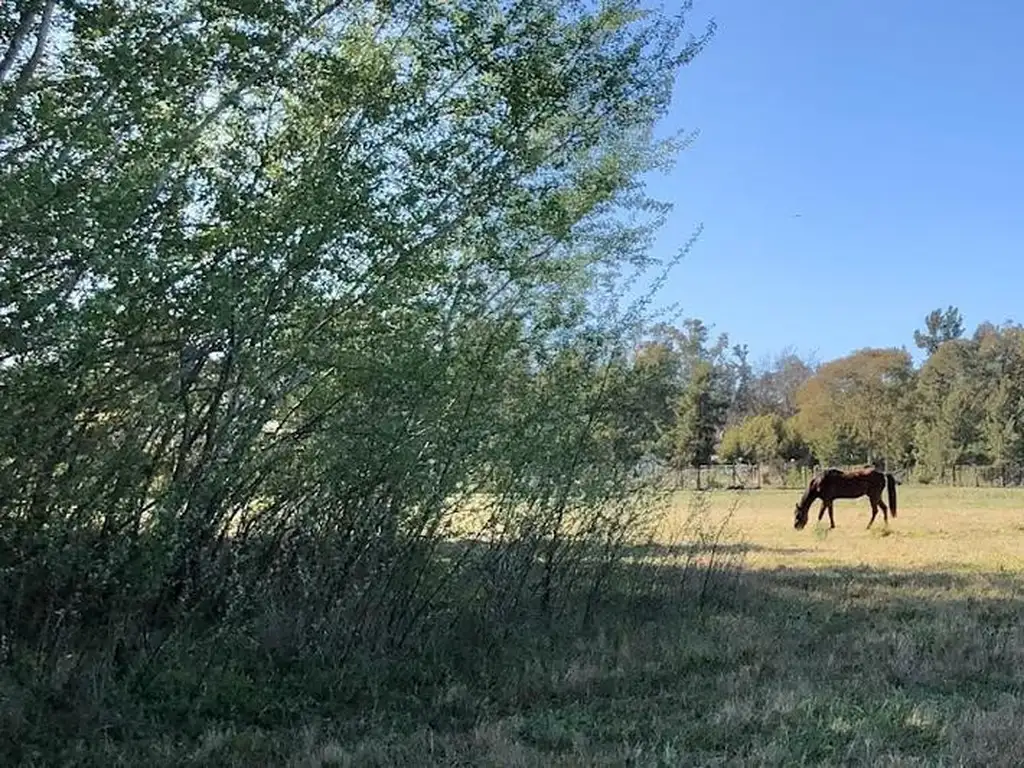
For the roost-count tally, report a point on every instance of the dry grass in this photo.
(851, 648)
(957, 529)
(898, 646)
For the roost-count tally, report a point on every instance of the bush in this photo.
(307, 299)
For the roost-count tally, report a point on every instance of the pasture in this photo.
(937, 529)
(884, 647)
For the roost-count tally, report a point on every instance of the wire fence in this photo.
(791, 476)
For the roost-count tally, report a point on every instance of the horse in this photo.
(835, 484)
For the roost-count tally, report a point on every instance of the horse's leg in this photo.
(821, 512)
(885, 509)
(831, 520)
(874, 510)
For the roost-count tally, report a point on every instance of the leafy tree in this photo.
(860, 407)
(794, 446)
(732, 447)
(950, 413)
(1001, 366)
(656, 380)
(763, 438)
(940, 326)
(700, 415)
(683, 374)
(757, 439)
(773, 389)
(284, 282)
(742, 384)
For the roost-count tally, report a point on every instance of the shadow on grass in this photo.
(794, 666)
(831, 666)
(458, 547)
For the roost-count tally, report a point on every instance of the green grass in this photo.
(855, 648)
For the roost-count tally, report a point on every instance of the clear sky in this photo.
(894, 128)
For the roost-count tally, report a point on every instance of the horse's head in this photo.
(804, 505)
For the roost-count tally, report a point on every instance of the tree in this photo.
(689, 377)
(742, 383)
(295, 276)
(950, 414)
(774, 388)
(757, 439)
(643, 397)
(1001, 370)
(860, 407)
(700, 415)
(941, 326)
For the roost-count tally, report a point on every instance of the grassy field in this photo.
(851, 647)
(939, 529)
(846, 647)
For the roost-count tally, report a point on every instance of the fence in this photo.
(790, 476)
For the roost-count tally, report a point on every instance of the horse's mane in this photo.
(809, 494)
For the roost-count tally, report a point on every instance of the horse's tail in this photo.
(890, 481)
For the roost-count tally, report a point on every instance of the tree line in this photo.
(964, 404)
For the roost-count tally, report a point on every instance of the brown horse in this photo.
(835, 484)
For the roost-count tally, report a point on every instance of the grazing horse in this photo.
(835, 484)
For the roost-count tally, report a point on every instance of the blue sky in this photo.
(895, 128)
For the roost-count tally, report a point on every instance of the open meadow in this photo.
(937, 528)
(895, 646)
(785, 647)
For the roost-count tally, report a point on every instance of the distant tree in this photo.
(762, 438)
(700, 416)
(757, 439)
(688, 386)
(941, 326)
(859, 407)
(766, 436)
(743, 380)
(794, 446)
(648, 397)
(1001, 373)
(951, 415)
(733, 446)
(984, 330)
(773, 388)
